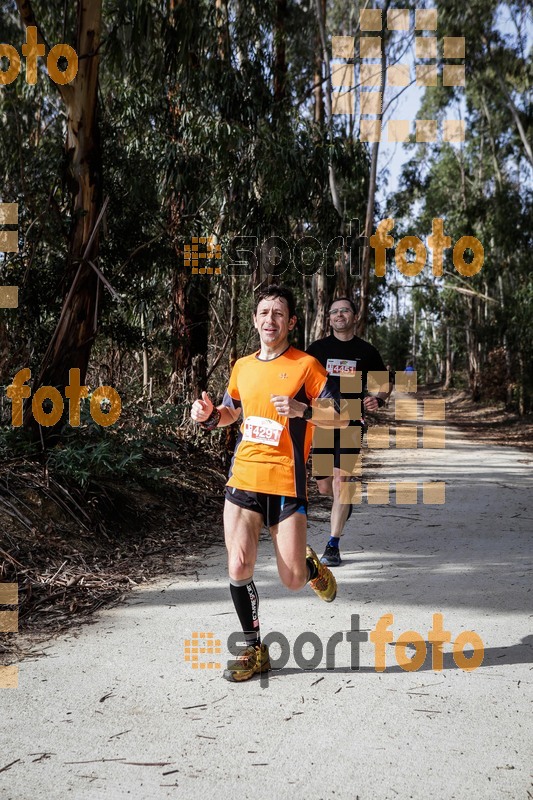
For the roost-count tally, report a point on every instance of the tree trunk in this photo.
(362, 317)
(497, 170)
(145, 355)
(321, 19)
(473, 351)
(189, 325)
(448, 381)
(319, 328)
(522, 133)
(318, 98)
(521, 384)
(190, 292)
(221, 10)
(280, 62)
(231, 430)
(72, 340)
(307, 341)
(413, 339)
(506, 350)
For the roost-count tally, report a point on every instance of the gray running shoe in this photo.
(331, 557)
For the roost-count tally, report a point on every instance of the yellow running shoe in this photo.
(249, 661)
(324, 584)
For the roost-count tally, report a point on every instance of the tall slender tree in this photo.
(71, 343)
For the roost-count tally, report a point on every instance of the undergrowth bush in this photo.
(92, 454)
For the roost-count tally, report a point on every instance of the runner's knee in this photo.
(325, 487)
(295, 579)
(240, 567)
(337, 483)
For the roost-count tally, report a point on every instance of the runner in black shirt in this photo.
(347, 353)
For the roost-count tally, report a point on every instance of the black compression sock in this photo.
(246, 601)
(312, 569)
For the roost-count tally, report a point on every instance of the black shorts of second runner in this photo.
(337, 450)
(274, 507)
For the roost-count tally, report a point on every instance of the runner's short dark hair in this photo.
(347, 300)
(277, 291)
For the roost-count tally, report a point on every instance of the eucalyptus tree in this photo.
(76, 328)
(482, 187)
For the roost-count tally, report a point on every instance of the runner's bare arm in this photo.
(324, 416)
(373, 401)
(228, 415)
(202, 409)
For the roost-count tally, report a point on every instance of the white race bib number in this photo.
(334, 366)
(261, 430)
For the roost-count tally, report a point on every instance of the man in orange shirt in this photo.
(274, 389)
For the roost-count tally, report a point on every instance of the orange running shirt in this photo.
(272, 450)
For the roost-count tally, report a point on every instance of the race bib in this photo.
(334, 366)
(262, 430)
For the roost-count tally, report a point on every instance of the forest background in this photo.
(214, 119)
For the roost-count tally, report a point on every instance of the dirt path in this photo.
(115, 708)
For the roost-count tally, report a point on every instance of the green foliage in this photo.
(83, 462)
(138, 448)
(393, 339)
(194, 142)
(483, 189)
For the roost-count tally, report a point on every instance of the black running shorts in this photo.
(274, 507)
(337, 449)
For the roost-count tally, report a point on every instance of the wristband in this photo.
(308, 413)
(381, 402)
(212, 421)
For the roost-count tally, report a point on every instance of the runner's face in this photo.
(341, 316)
(272, 321)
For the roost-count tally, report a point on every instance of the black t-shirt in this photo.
(355, 355)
